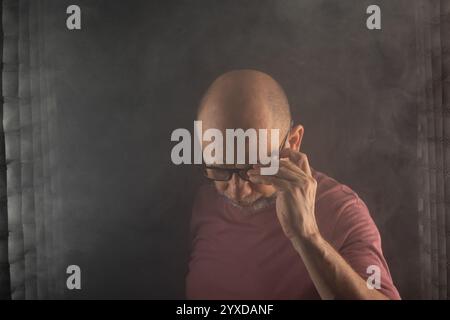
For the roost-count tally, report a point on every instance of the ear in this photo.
(295, 137)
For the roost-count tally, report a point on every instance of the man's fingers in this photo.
(298, 158)
(293, 155)
(278, 183)
(305, 165)
(287, 171)
(291, 166)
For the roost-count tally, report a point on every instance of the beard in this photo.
(253, 204)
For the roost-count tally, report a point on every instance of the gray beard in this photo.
(258, 205)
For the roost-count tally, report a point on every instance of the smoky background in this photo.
(137, 70)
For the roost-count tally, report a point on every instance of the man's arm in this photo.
(333, 277)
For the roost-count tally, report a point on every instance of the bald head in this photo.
(245, 99)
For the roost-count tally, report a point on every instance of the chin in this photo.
(253, 203)
(246, 202)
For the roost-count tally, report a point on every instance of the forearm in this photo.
(333, 277)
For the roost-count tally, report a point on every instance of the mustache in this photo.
(258, 204)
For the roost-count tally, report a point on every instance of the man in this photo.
(298, 234)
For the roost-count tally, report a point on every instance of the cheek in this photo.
(221, 185)
(264, 189)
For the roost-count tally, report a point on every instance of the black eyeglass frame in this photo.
(242, 173)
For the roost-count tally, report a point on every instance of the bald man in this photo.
(298, 234)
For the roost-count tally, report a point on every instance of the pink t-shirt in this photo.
(241, 255)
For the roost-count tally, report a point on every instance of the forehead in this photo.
(236, 112)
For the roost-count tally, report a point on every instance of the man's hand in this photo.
(296, 194)
(333, 277)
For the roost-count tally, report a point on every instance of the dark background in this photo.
(137, 70)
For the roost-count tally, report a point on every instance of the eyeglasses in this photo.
(225, 174)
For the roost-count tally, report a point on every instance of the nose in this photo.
(238, 188)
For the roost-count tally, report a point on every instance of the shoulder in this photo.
(205, 194)
(332, 194)
(206, 200)
(339, 209)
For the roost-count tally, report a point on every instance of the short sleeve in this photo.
(360, 246)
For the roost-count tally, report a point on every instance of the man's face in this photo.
(250, 115)
(242, 192)
(238, 188)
